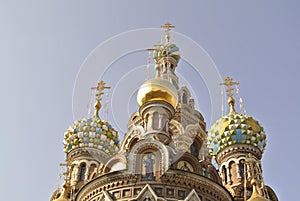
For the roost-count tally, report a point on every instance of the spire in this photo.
(229, 83)
(166, 57)
(100, 88)
(167, 26)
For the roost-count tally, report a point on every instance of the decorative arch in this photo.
(93, 170)
(134, 117)
(184, 95)
(213, 174)
(193, 130)
(111, 165)
(141, 149)
(192, 161)
(132, 137)
(175, 128)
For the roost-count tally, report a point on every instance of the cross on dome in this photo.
(229, 83)
(167, 26)
(100, 88)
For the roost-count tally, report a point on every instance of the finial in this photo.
(167, 28)
(229, 83)
(100, 88)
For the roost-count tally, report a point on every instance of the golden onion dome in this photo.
(255, 194)
(157, 89)
(257, 198)
(63, 196)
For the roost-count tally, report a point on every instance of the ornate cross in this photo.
(167, 28)
(229, 83)
(100, 88)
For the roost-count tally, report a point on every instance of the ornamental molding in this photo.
(236, 150)
(89, 154)
(135, 132)
(120, 179)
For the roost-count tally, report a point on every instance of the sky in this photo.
(44, 44)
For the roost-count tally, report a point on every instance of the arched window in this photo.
(184, 98)
(242, 168)
(194, 149)
(93, 171)
(224, 171)
(155, 120)
(82, 172)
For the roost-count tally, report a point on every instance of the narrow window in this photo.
(224, 174)
(194, 149)
(242, 168)
(184, 98)
(82, 172)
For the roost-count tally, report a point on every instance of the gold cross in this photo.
(229, 83)
(167, 28)
(100, 88)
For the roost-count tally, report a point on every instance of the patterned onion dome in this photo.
(166, 50)
(235, 128)
(94, 133)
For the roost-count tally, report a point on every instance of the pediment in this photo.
(192, 196)
(105, 197)
(147, 194)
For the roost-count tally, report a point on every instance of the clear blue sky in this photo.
(44, 43)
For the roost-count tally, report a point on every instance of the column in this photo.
(87, 172)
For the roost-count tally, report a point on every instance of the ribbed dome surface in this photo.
(235, 128)
(166, 50)
(94, 133)
(157, 89)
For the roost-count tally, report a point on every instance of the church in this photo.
(168, 151)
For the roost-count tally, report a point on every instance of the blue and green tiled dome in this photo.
(94, 133)
(233, 129)
(166, 50)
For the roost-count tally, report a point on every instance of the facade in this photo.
(167, 152)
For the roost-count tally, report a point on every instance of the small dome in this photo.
(258, 198)
(94, 133)
(63, 196)
(166, 50)
(235, 128)
(255, 194)
(157, 89)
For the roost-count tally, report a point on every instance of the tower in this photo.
(238, 142)
(88, 144)
(164, 153)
